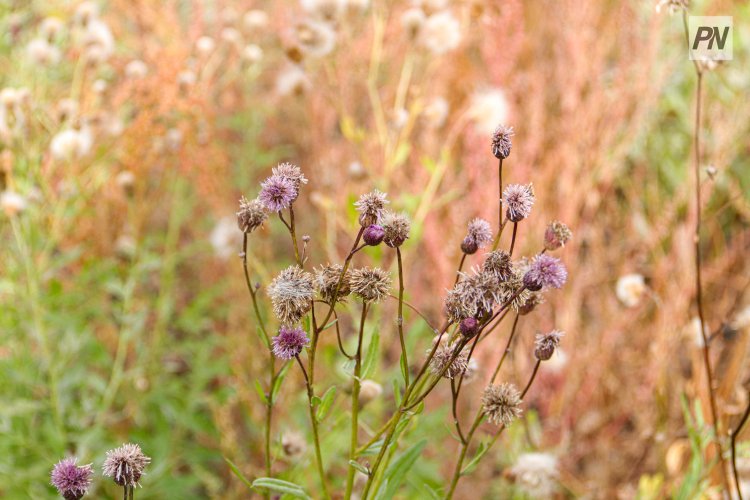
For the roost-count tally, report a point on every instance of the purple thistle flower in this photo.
(518, 200)
(72, 481)
(545, 271)
(289, 342)
(125, 464)
(277, 193)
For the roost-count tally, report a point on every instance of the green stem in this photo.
(356, 385)
(400, 320)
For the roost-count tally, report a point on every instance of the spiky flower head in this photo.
(556, 235)
(501, 403)
(289, 342)
(545, 271)
(252, 215)
(277, 193)
(291, 294)
(518, 200)
(292, 173)
(546, 343)
(478, 235)
(396, 227)
(125, 464)
(474, 295)
(469, 327)
(501, 141)
(498, 263)
(514, 290)
(459, 303)
(370, 284)
(370, 207)
(327, 278)
(447, 362)
(534, 299)
(72, 481)
(373, 235)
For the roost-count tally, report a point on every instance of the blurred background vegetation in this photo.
(129, 130)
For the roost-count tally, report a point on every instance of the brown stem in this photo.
(400, 319)
(460, 267)
(735, 433)
(513, 238)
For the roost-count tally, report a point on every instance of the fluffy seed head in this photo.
(277, 193)
(289, 342)
(469, 327)
(292, 173)
(251, 215)
(501, 141)
(72, 481)
(371, 285)
(373, 235)
(546, 343)
(478, 234)
(370, 207)
(518, 200)
(514, 290)
(536, 474)
(396, 227)
(291, 294)
(672, 6)
(556, 235)
(293, 444)
(125, 464)
(442, 359)
(499, 264)
(501, 403)
(545, 272)
(535, 298)
(459, 304)
(326, 280)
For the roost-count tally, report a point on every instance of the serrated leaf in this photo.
(325, 403)
(372, 356)
(358, 466)
(281, 486)
(396, 472)
(260, 391)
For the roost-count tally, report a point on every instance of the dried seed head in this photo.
(514, 290)
(545, 271)
(125, 464)
(672, 6)
(535, 474)
(501, 403)
(480, 231)
(371, 285)
(518, 200)
(370, 207)
(459, 303)
(291, 294)
(469, 327)
(501, 141)
(72, 481)
(533, 300)
(251, 215)
(293, 444)
(545, 344)
(396, 227)
(289, 342)
(373, 235)
(277, 193)
(499, 264)
(292, 173)
(441, 362)
(326, 280)
(368, 391)
(556, 235)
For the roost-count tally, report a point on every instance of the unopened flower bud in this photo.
(469, 327)
(373, 235)
(469, 246)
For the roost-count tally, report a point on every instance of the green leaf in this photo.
(373, 449)
(260, 391)
(396, 472)
(404, 367)
(358, 466)
(281, 486)
(372, 355)
(238, 473)
(329, 325)
(396, 392)
(325, 403)
(483, 448)
(279, 379)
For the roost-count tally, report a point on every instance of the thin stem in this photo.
(341, 277)
(507, 349)
(356, 385)
(413, 308)
(400, 320)
(500, 195)
(735, 433)
(456, 421)
(460, 267)
(513, 238)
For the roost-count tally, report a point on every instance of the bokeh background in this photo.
(130, 128)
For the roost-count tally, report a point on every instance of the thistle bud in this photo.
(545, 344)
(469, 246)
(373, 235)
(469, 327)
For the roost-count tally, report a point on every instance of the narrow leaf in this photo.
(260, 391)
(325, 403)
(281, 486)
(279, 379)
(358, 466)
(238, 473)
(396, 472)
(483, 448)
(372, 355)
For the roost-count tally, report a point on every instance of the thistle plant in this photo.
(307, 302)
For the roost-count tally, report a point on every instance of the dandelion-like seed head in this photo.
(518, 200)
(536, 474)
(498, 263)
(289, 342)
(396, 227)
(290, 172)
(556, 235)
(327, 278)
(370, 284)
(501, 403)
(277, 193)
(72, 481)
(125, 464)
(252, 215)
(373, 235)
(459, 303)
(370, 207)
(478, 235)
(546, 343)
(441, 361)
(291, 294)
(501, 141)
(545, 271)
